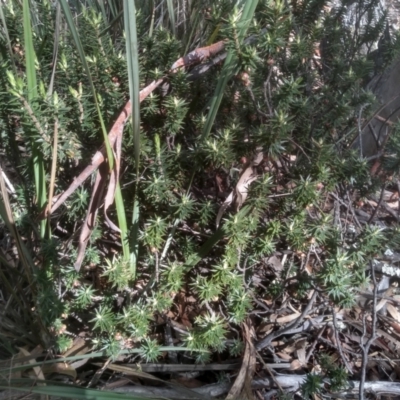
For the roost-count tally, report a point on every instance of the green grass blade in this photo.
(134, 92)
(122, 224)
(79, 47)
(151, 5)
(56, 45)
(7, 38)
(171, 14)
(118, 196)
(37, 158)
(229, 67)
(134, 236)
(133, 73)
(30, 53)
(195, 27)
(68, 392)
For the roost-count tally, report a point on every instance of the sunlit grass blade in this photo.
(37, 157)
(110, 156)
(171, 14)
(151, 5)
(74, 32)
(229, 67)
(195, 26)
(134, 236)
(134, 92)
(122, 223)
(133, 73)
(56, 44)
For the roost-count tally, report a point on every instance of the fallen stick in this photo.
(289, 383)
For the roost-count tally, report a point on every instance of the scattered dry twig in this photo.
(269, 338)
(338, 343)
(365, 348)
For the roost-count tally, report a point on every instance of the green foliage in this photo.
(312, 385)
(192, 140)
(150, 350)
(104, 319)
(333, 378)
(209, 333)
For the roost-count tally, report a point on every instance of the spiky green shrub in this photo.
(291, 88)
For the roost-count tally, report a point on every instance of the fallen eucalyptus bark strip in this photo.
(199, 55)
(100, 155)
(289, 383)
(194, 57)
(241, 388)
(90, 220)
(199, 70)
(170, 368)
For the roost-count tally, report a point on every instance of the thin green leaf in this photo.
(55, 48)
(37, 158)
(134, 236)
(7, 37)
(79, 47)
(133, 73)
(110, 156)
(69, 392)
(122, 224)
(134, 91)
(229, 67)
(171, 14)
(30, 56)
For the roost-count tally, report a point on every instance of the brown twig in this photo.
(273, 335)
(311, 349)
(338, 343)
(348, 206)
(378, 205)
(387, 208)
(365, 348)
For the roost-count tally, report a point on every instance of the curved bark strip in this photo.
(194, 57)
(199, 55)
(100, 155)
(88, 226)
